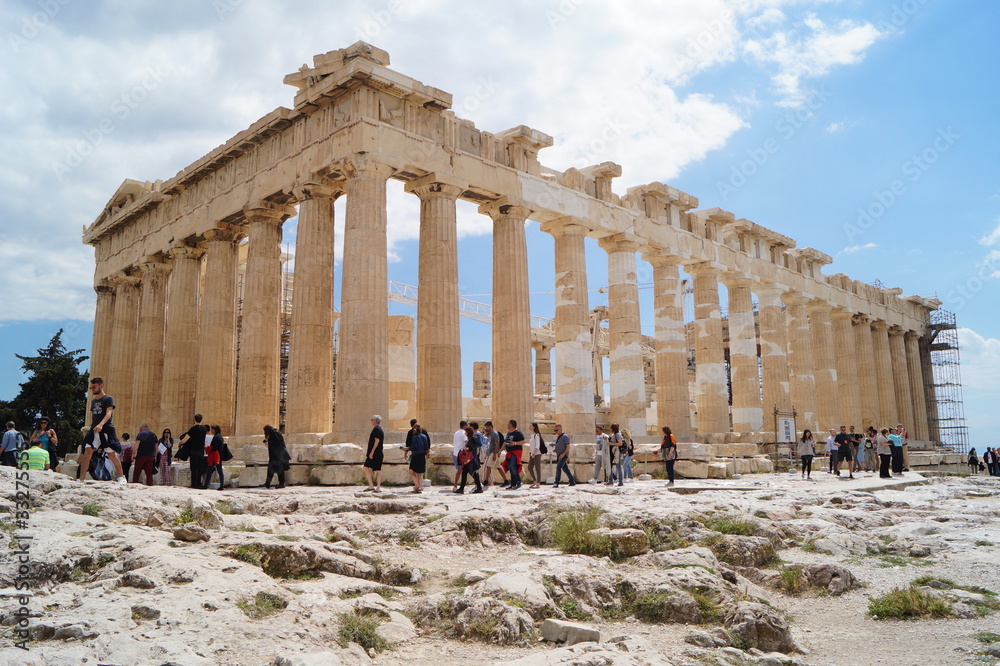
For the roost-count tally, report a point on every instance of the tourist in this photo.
(46, 436)
(418, 446)
(973, 461)
(145, 454)
(13, 443)
(494, 455)
(457, 444)
(277, 457)
(600, 443)
(627, 457)
(855, 447)
(806, 450)
(897, 451)
(844, 443)
(34, 457)
(213, 458)
(831, 449)
(165, 452)
(373, 456)
(469, 457)
(102, 434)
(514, 447)
(668, 449)
(562, 447)
(195, 440)
(988, 457)
(126, 455)
(884, 454)
(905, 435)
(868, 451)
(613, 459)
(535, 456)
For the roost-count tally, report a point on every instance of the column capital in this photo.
(267, 211)
(506, 206)
(566, 226)
(703, 268)
(896, 331)
(820, 305)
(880, 325)
(656, 257)
(184, 251)
(365, 164)
(770, 292)
(155, 265)
(105, 286)
(619, 243)
(436, 185)
(912, 335)
(795, 298)
(123, 279)
(313, 189)
(838, 313)
(224, 233)
(733, 279)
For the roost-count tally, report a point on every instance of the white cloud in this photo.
(991, 238)
(839, 126)
(858, 248)
(980, 360)
(990, 265)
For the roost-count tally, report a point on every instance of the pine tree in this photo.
(55, 389)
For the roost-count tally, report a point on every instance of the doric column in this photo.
(711, 396)
(439, 351)
(512, 395)
(543, 368)
(402, 372)
(309, 401)
(258, 379)
(574, 376)
(930, 393)
(100, 354)
(901, 378)
(216, 389)
(849, 380)
(362, 354)
(748, 417)
(628, 378)
(828, 407)
(773, 354)
(888, 415)
(147, 381)
(801, 362)
(180, 347)
(122, 361)
(673, 400)
(866, 378)
(919, 428)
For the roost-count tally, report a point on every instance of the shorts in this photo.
(845, 455)
(454, 461)
(418, 463)
(107, 437)
(495, 462)
(374, 463)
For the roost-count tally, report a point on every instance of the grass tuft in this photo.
(361, 627)
(262, 605)
(249, 553)
(907, 604)
(91, 509)
(570, 534)
(185, 517)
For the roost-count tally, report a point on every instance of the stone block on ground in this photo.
(342, 452)
(570, 633)
(721, 470)
(690, 469)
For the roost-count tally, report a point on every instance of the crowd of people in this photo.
(870, 451)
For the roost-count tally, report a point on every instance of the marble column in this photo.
(901, 378)
(866, 377)
(673, 400)
(216, 390)
(801, 362)
(402, 373)
(512, 394)
(748, 415)
(628, 378)
(363, 345)
(439, 351)
(884, 380)
(711, 394)
(930, 394)
(309, 401)
(258, 375)
(849, 380)
(100, 355)
(126, 320)
(773, 354)
(148, 378)
(180, 346)
(543, 368)
(574, 376)
(828, 407)
(919, 429)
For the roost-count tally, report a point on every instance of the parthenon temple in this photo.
(190, 290)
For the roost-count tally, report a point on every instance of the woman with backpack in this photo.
(973, 461)
(535, 456)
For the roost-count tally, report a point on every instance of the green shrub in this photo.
(570, 534)
(572, 610)
(185, 517)
(361, 627)
(225, 508)
(249, 553)
(790, 581)
(408, 537)
(729, 523)
(987, 637)
(651, 607)
(711, 612)
(262, 605)
(91, 509)
(906, 604)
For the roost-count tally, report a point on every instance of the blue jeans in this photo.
(208, 476)
(670, 470)
(563, 464)
(627, 465)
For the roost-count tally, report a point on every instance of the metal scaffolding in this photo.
(945, 411)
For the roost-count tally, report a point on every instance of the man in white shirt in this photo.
(599, 454)
(457, 444)
(831, 450)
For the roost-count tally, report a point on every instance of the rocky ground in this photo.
(764, 569)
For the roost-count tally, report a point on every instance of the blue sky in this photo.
(862, 129)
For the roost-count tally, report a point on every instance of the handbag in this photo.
(465, 457)
(541, 446)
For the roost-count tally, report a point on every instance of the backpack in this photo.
(541, 445)
(101, 468)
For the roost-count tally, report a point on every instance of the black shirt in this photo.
(196, 436)
(146, 444)
(99, 407)
(843, 440)
(375, 450)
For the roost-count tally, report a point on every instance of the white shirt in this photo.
(458, 441)
(536, 444)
